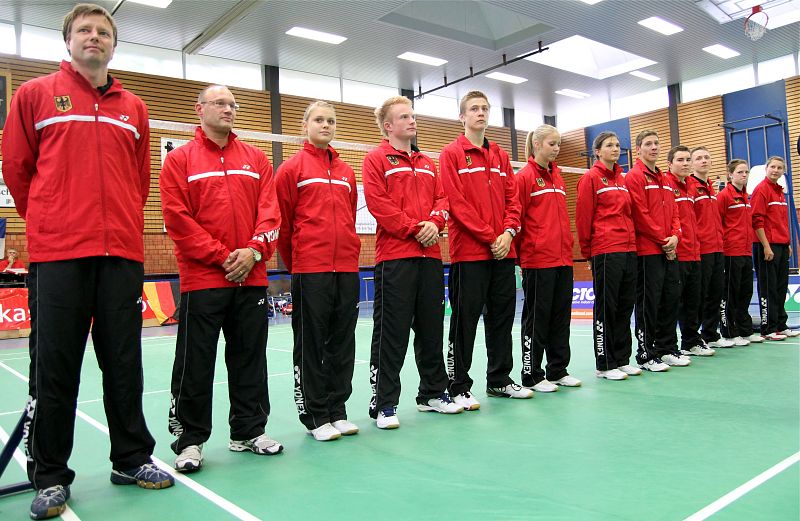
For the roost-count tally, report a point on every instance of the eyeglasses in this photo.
(222, 104)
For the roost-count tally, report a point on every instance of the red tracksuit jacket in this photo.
(770, 211)
(216, 200)
(78, 165)
(737, 224)
(318, 199)
(655, 212)
(401, 190)
(546, 239)
(603, 212)
(688, 247)
(481, 188)
(709, 226)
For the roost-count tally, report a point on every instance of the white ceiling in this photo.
(440, 28)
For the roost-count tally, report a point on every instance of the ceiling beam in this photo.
(211, 32)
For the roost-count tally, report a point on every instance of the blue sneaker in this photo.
(50, 502)
(387, 418)
(145, 476)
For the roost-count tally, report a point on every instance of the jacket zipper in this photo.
(102, 181)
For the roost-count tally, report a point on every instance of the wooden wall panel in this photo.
(573, 144)
(793, 110)
(657, 120)
(698, 123)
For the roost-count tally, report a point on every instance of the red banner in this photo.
(14, 312)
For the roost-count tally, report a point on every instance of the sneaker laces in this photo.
(148, 472)
(445, 398)
(56, 492)
(388, 411)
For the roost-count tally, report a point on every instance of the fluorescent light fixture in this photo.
(590, 58)
(319, 36)
(501, 76)
(644, 75)
(573, 93)
(421, 58)
(153, 3)
(721, 51)
(591, 2)
(660, 25)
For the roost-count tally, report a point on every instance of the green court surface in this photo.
(657, 446)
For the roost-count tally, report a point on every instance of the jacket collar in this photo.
(466, 144)
(66, 67)
(324, 154)
(201, 136)
(605, 171)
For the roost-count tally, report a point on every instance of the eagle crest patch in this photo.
(393, 160)
(63, 103)
(469, 161)
(540, 182)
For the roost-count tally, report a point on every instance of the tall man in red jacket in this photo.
(220, 210)
(78, 130)
(485, 217)
(404, 194)
(655, 217)
(709, 236)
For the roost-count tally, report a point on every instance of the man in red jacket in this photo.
(404, 194)
(12, 262)
(220, 210)
(679, 159)
(78, 130)
(485, 217)
(709, 236)
(655, 217)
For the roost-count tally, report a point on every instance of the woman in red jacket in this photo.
(545, 255)
(607, 238)
(737, 243)
(318, 243)
(772, 252)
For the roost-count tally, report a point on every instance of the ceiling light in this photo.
(573, 93)
(506, 77)
(591, 58)
(644, 75)
(421, 58)
(319, 36)
(660, 25)
(591, 2)
(153, 3)
(721, 51)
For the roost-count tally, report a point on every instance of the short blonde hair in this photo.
(462, 105)
(382, 111)
(87, 10)
(538, 135)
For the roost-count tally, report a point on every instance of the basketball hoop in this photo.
(755, 25)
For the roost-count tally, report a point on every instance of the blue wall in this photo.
(623, 129)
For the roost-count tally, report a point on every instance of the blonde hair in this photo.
(86, 10)
(775, 158)
(538, 135)
(462, 105)
(382, 111)
(316, 104)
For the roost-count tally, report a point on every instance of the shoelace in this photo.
(51, 492)
(389, 411)
(445, 398)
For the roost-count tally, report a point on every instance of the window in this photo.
(731, 80)
(574, 114)
(437, 106)
(777, 69)
(146, 59)
(42, 44)
(8, 39)
(639, 103)
(526, 121)
(310, 85)
(224, 72)
(366, 94)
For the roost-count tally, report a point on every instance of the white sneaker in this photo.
(775, 337)
(791, 333)
(568, 381)
(509, 391)
(467, 401)
(740, 342)
(345, 427)
(259, 445)
(755, 338)
(326, 432)
(630, 370)
(655, 365)
(674, 360)
(190, 459)
(545, 386)
(387, 419)
(701, 351)
(442, 404)
(611, 374)
(722, 342)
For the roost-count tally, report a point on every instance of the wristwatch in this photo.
(256, 254)
(511, 231)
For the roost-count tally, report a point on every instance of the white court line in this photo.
(68, 514)
(741, 490)
(208, 494)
